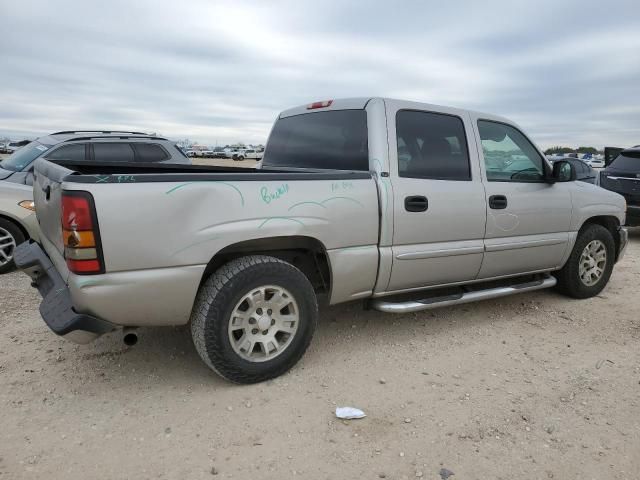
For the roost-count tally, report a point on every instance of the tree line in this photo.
(562, 150)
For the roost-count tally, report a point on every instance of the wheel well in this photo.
(306, 253)
(17, 224)
(610, 223)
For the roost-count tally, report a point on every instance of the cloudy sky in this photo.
(218, 71)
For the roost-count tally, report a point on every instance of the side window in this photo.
(432, 146)
(508, 155)
(73, 152)
(112, 152)
(150, 152)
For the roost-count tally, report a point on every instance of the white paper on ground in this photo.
(349, 413)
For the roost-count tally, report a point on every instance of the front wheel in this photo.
(10, 237)
(590, 264)
(254, 318)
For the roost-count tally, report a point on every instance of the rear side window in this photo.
(432, 146)
(113, 152)
(150, 152)
(333, 139)
(627, 161)
(73, 152)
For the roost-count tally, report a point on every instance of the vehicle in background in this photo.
(90, 146)
(595, 162)
(13, 147)
(244, 255)
(236, 155)
(622, 176)
(610, 153)
(17, 221)
(252, 154)
(3, 147)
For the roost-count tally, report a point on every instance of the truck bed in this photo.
(160, 226)
(115, 172)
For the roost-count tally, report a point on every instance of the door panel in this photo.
(528, 232)
(439, 239)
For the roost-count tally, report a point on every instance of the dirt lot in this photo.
(532, 386)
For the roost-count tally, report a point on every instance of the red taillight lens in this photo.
(81, 237)
(76, 212)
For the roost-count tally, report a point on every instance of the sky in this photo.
(220, 71)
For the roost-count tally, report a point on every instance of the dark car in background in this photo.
(89, 146)
(622, 176)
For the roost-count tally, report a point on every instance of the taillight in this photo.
(81, 237)
(314, 105)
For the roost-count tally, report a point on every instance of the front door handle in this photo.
(498, 202)
(416, 203)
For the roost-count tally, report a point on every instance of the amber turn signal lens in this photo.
(74, 239)
(28, 204)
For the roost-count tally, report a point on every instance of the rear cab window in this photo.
(334, 139)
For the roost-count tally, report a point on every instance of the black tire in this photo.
(216, 301)
(241, 158)
(569, 281)
(18, 237)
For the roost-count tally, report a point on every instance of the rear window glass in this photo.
(627, 161)
(150, 152)
(112, 152)
(332, 140)
(67, 152)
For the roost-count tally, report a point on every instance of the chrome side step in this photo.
(463, 297)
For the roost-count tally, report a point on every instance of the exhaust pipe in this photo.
(129, 336)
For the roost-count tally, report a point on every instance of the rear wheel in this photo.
(10, 237)
(590, 264)
(254, 318)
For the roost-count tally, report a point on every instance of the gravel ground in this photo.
(533, 386)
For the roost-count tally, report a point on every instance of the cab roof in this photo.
(359, 103)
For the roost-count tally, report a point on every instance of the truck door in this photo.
(439, 198)
(527, 218)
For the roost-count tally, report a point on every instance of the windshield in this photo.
(627, 161)
(23, 157)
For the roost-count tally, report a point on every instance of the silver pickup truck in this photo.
(405, 206)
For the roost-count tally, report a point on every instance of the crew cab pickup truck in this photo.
(468, 210)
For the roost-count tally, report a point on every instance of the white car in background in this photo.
(595, 162)
(12, 147)
(249, 153)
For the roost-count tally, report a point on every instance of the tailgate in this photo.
(47, 193)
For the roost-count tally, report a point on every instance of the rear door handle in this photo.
(416, 203)
(498, 202)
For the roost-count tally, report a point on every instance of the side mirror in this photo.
(563, 171)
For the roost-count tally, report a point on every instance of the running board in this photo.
(463, 297)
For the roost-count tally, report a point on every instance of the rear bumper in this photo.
(56, 308)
